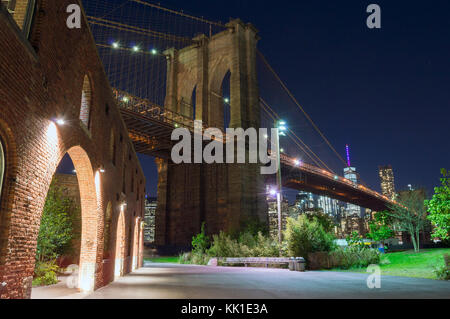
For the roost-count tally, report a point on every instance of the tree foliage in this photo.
(380, 227)
(325, 220)
(56, 232)
(410, 214)
(439, 208)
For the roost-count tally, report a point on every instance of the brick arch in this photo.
(120, 244)
(2, 166)
(89, 188)
(7, 195)
(216, 108)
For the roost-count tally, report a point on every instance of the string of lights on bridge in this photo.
(134, 48)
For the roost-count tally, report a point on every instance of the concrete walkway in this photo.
(167, 281)
(57, 291)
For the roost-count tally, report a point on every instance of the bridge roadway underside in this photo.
(152, 137)
(318, 184)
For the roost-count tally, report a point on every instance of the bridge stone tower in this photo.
(221, 195)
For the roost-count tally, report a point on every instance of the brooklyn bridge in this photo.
(118, 86)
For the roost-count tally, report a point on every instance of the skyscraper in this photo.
(149, 218)
(350, 174)
(387, 181)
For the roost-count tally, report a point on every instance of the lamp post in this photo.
(281, 128)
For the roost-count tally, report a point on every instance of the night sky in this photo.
(385, 92)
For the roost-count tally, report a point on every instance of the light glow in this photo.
(347, 149)
(115, 45)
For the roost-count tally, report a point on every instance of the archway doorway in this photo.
(136, 243)
(120, 244)
(68, 229)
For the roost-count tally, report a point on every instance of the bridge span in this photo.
(150, 127)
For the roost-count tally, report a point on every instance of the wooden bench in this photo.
(297, 263)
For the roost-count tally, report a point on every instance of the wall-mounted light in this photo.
(101, 169)
(60, 121)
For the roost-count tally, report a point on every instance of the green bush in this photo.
(247, 245)
(354, 257)
(200, 241)
(442, 273)
(45, 273)
(304, 236)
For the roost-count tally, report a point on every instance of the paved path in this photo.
(167, 281)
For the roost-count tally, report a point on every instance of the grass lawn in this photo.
(411, 264)
(171, 260)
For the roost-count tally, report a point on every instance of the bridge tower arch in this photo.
(220, 195)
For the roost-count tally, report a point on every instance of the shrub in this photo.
(45, 273)
(224, 246)
(442, 273)
(354, 257)
(304, 236)
(200, 242)
(185, 258)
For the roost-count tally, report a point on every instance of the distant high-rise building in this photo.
(305, 201)
(149, 219)
(350, 174)
(387, 181)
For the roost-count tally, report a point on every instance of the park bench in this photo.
(294, 263)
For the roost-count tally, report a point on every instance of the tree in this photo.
(57, 225)
(439, 208)
(380, 227)
(410, 214)
(325, 220)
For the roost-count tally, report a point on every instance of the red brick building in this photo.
(50, 72)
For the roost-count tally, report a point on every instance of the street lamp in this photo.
(281, 128)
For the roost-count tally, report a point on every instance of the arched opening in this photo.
(68, 228)
(120, 244)
(219, 112)
(194, 103)
(107, 231)
(225, 93)
(86, 102)
(2, 167)
(136, 243)
(112, 147)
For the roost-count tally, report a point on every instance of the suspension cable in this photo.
(299, 139)
(219, 24)
(299, 106)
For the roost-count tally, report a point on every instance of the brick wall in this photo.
(37, 84)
